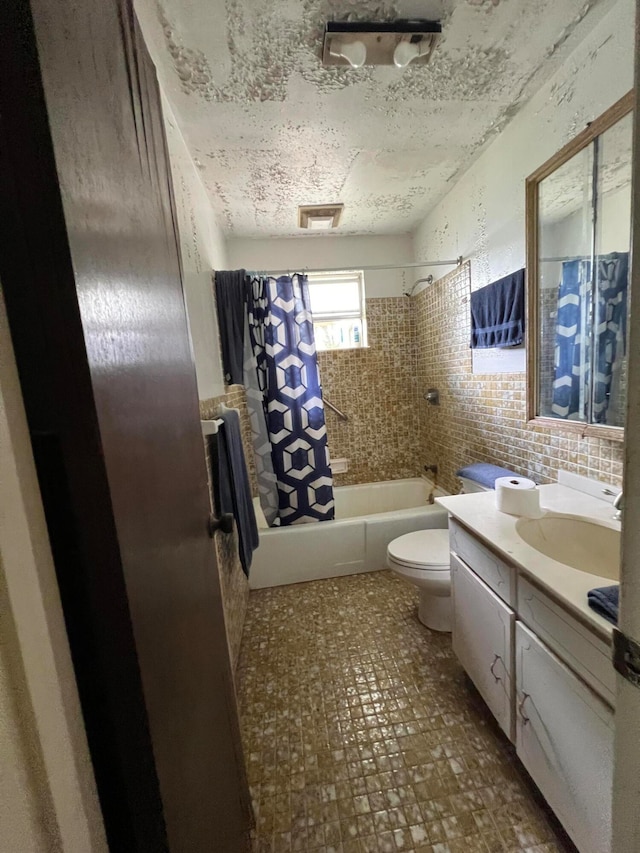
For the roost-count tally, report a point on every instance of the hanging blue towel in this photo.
(605, 600)
(497, 313)
(232, 491)
(485, 474)
(230, 304)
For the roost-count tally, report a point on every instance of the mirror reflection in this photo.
(581, 281)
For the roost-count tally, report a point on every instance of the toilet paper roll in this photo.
(518, 496)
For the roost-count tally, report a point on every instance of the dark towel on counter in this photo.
(231, 488)
(485, 474)
(605, 600)
(230, 303)
(497, 313)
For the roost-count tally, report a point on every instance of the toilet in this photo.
(422, 557)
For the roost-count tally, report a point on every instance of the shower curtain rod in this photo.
(565, 258)
(412, 265)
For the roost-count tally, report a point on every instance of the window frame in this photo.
(347, 276)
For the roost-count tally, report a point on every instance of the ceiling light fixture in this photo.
(354, 52)
(406, 52)
(398, 43)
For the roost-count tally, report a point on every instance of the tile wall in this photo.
(233, 582)
(376, 387)
(483, 417)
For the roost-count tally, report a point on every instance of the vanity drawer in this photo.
(587, 654)
(498, 575)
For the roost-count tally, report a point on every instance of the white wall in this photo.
(482, 216)
(328, 251)
(572, 236)
(202, 249)
(48, 798)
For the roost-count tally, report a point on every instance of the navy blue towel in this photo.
(485, 474)
(232, 491)
(497, 313)
(605, 600)
(230, 305)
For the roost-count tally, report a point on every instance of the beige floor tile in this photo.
(363, 735)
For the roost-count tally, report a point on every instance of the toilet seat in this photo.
(422, 550)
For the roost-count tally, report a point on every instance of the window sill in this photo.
(344, 349)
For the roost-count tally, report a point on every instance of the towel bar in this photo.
(338, 412)
(211, 426)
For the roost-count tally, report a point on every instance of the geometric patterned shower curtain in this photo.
(255, 384)
(610, 335)
(283, 380)
(570, 388)
(577, 331)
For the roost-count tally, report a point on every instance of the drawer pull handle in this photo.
(495, 661)
(525, 719)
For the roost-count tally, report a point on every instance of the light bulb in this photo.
(405, 53)
(354, 52)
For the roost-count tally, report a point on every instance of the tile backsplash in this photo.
(482, 418)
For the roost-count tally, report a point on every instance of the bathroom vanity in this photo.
(538, 655)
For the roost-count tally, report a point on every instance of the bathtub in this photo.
(368, 517)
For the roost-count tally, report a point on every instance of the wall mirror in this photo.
(578, 241)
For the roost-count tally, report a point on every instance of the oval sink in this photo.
(577, 542)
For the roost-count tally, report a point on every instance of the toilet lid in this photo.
(421, 549)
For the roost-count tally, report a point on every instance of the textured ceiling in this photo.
(270, 128)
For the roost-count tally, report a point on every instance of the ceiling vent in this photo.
(319, 217)
(396, 43)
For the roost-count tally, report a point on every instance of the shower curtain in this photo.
(284, 397)
(569, 386)
(574, 325)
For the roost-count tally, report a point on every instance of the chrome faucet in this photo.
(617, 505)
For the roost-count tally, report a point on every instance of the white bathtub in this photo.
(368, 517)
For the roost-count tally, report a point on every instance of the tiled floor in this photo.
(362, 734)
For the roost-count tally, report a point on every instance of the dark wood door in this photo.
(90, 271)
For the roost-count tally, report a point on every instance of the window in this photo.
(337, 303)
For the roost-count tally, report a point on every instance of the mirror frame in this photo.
(595, 128)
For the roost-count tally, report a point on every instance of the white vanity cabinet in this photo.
(547, 678)
(483, 641)
(493, 570)
(564, 737)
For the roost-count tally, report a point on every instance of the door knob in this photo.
(224, 523)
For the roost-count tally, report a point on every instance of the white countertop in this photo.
(479, 513)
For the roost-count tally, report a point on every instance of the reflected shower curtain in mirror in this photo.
(574, 339)
(292, 456)
(569, 387)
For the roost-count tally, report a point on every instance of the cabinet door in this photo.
(483, 641)
(564, 737)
